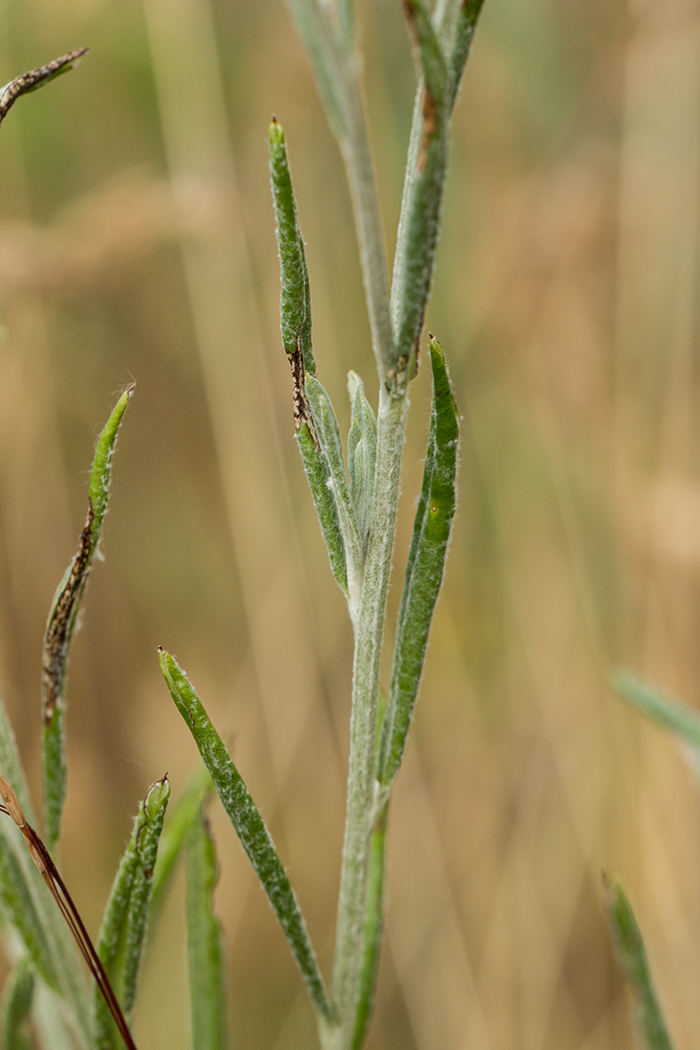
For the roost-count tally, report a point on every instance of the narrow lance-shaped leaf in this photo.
(374, 924)
(123, 932)
(316, 31)
(633, 958)
(662, 709)
(249, 826)
(424, 182)
(319, 475)
(295, 297)
(16, 1005)
(362, 455)
(328, 434)
(204, 951)
(469, 11)
(61, 625)
(36, 78)
(182, 816)
(426, 561)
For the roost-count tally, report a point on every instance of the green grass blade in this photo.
(295, 297)
(319, 474)
(182, 817)
(204, 941)
(374, 925)
(15, 1007)
(426, 561)
(249, 826)
(630, 946)
(469, 12)
(662, 709)
(362, 456)
(61, 625)
(36, 78)
(123, 930)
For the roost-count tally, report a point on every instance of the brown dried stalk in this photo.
(48, 871)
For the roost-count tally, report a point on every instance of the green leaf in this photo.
(295, 298)
(424, 182)
(318, 472)
(630, 945)
(431, 59)
(661, 708)
(36, 78)
(468, 16)
(374, 924)
(327, 431)
(26, 900)
(123, 930)
(181, 819)
(426, 561)
(61, 625)
(204, 951)
(317, 34)
(15, 1008)
(362, 456)
(249, 826)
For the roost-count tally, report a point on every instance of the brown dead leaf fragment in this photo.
(53, 661)
(31, 80)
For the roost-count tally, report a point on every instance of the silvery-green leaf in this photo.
(204, 941)
(124, 925)
(249, 826)
(362, 455)
(61, 626)
(295, 297)
(426, 562)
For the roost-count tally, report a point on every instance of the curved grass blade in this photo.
(249, 826)
(124, 925)
(362, 456)
(61, 625)
(36, 78)
(426, 561)
(182, 817)
(374, 925)
(204, 951)
(295, 297)
(663, 709)
(17, 996)
(633, 959)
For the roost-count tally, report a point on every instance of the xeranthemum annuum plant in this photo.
(355, 491)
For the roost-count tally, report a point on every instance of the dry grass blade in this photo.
(36, 78)
(48, 871)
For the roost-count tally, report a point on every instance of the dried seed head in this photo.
(11, 804)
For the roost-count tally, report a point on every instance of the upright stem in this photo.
(391, 427)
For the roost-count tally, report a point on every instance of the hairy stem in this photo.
(391, 426)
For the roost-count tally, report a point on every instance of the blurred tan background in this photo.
(137, 242)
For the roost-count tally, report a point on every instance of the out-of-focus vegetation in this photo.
(137, 242)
